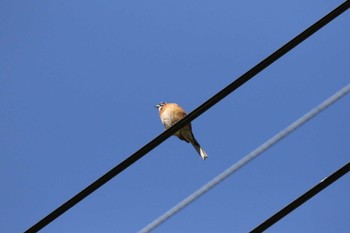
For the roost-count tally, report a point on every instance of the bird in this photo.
(171, 113)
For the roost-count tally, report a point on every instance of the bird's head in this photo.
(160, 105)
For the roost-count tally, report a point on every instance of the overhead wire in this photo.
(246, 159)
(302, 199)
(190, 117)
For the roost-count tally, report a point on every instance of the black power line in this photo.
(190, 117)
(303, 198)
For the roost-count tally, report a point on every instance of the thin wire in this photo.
(190, 117)
(302, 199)
(218, 179)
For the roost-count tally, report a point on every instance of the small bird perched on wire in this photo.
(170, 113)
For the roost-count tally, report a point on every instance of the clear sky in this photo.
(78, 85)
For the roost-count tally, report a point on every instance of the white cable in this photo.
(246, 159)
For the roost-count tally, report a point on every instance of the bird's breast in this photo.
(167, 118)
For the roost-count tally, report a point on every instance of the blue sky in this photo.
(78, 82)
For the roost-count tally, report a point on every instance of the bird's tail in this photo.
(199, 149)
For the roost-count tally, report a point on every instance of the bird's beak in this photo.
(157, 106)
